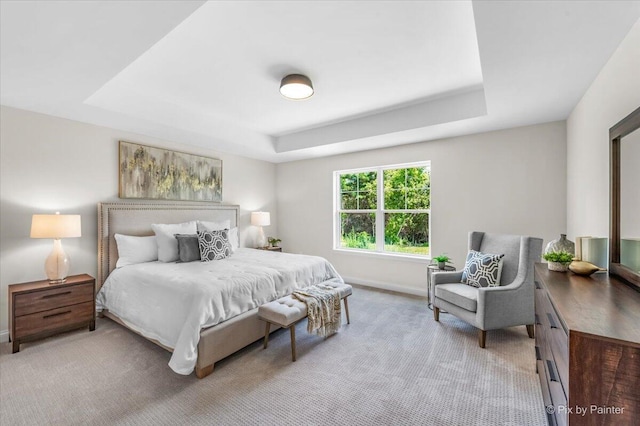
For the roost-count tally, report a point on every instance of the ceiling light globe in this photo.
(296, 86)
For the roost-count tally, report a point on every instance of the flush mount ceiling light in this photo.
(296, 86)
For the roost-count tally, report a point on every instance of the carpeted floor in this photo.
(393, 365)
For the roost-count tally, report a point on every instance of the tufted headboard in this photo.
(136, 219)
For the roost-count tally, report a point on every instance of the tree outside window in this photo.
(393, 202)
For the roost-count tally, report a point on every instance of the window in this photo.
(384, 209)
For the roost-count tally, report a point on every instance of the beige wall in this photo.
(51, 164)
(613, 95)
(509, 181)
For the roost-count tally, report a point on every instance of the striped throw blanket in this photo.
(323, 308)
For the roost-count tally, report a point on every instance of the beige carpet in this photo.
(392, 365)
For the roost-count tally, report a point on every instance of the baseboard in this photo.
(4, 336)
(386, 286)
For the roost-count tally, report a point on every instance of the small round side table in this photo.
(430, 270)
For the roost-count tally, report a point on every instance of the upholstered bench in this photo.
(287, 311)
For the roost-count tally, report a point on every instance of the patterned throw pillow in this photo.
(214, 245)
(482, 269)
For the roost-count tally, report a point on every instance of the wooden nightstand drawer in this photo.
(39, 322)
(38, 309)
(39, 301)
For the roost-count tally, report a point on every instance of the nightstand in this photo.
(271, 248)
(39, 309)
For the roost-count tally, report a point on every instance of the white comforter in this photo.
(171, 302)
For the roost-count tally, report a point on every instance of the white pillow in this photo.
(167, 242)
(132, 250)
(213, 226)
(234, 239)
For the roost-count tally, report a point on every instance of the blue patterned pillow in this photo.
(482, 269)
(214, 245)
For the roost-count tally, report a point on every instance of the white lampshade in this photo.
(260, 219)
(296, 86)
(56, 226)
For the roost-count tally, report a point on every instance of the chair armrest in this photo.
(506, 305)
(514, 285)
(446, 277)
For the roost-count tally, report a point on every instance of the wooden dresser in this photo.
(39, 309)
(587, 348)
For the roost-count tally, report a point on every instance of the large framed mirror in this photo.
(624, 246)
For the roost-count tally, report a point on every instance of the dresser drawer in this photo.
(52, 319)
(43, 300)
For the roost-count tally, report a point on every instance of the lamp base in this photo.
(57, 265)
(262, 240)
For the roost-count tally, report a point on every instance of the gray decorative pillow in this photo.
(188, 247)
(214, 245)
(482, 269)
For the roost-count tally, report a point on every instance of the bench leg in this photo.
(266, 334)
(346, 309)
(293, 342)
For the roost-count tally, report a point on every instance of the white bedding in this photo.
(171, 302)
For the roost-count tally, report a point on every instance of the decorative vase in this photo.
(558, 267)
(561, 244)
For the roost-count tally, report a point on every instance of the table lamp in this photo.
(56, 226)
(261, 219)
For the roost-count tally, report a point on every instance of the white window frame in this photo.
(379, 211)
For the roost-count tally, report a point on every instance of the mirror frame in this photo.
(626, 126)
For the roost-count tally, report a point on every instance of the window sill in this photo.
(390, 256)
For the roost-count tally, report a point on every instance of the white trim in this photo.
(4, 336)
(418, 258)
(386, 286)
(426, 163)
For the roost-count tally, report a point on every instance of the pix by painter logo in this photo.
(583, 411)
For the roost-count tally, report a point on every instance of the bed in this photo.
(202, 312)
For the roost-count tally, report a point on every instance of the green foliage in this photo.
(358, 240)
(359, 191)
(407, 188)
(273, 241)
(559, 257)
(442, 258)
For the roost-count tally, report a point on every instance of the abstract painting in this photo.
(156, 173)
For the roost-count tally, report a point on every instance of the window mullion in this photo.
(380, 213)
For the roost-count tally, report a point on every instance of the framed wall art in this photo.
(157, 173)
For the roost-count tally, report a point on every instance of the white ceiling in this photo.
(385, 72)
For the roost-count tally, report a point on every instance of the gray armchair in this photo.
(492, 308)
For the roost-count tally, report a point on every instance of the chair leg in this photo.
(436, 313)
(482, 338)
(530, 331)
(346, 309)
